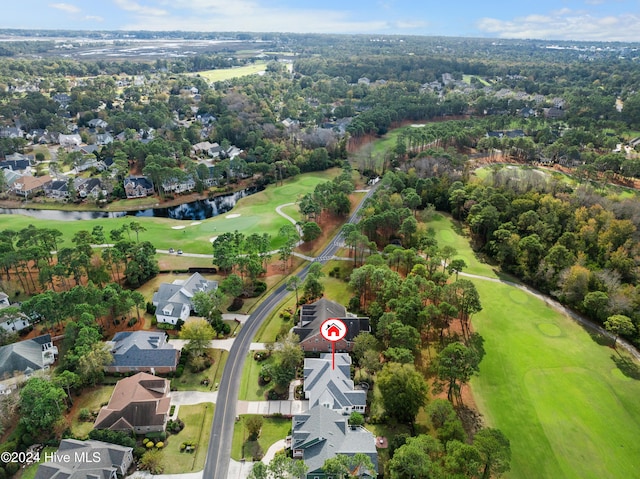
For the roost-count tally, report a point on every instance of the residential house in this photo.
(97, 123)
(10, 320)
(138, 187)
(11, 132)
(91, 187)
(206, 119)
(322, 433)
(139, 403)
(62, 99)
(27, 186)
(142, 351)
(173, 300)
(86, 163)
(104, 139)
(313, 315)
(332, 387)
(554, 113)
(364, 81)
(88, 149)
(18, 361)
(175, 185)
(69, 141)
(21, 165)
(203, 147)
(10, 177)
(88, 460)
(57, 189)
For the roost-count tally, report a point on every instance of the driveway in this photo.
(286, 408)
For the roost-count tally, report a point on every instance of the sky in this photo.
(589, 20)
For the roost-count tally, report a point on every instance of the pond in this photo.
(194, 210)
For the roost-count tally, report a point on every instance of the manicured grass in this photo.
(337, 289)
(197, 425)
(91, 399)
(556, 394)
(467, 79)
(250, 390)
(273, 430)
(193, 381)
(257, 215)
(228, 73)
(446, 234)
(272, 326)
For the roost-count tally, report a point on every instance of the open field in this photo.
(557, 394)
(273, 430)
(229, 73)
(197, 425)
(256, 215)
(467, 79)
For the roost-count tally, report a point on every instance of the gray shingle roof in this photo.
(22, 356)
(104, 459)
(182, 293)
(143, 348)
(313, 315)
(323, 433)
(331, 387)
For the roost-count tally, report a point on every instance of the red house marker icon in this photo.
(333, 330)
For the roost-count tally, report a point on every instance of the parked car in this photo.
(179, 251)
(171, 250)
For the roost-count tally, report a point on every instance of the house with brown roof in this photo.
(313, 315)
(138, 403)
(27, 186)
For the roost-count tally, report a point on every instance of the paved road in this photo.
(219, 453)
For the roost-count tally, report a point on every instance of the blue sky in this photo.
(605, 20)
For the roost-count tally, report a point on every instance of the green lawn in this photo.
(446, 234)
(257, 215)
(250, 390)
(229, 73)
(556, 393)
(197, 426)
(193, 381)
(273, 430)
(30, 471)
(91, 399)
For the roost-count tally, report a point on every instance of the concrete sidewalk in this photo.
(286, 408)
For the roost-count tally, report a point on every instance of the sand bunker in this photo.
(232, 216)
(213, 238)
(196, 223)
(178, 227)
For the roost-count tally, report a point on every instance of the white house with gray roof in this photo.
(332, 388)
(173, 300)
(87, 460)
(322, 433)
(18, 361)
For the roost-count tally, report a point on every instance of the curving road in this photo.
(219, 452)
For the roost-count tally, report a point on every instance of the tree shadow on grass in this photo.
(598, 337)
(627, 366)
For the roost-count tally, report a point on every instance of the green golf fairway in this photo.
(556, 394)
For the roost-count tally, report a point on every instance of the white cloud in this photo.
(248, 15)
(142, 10)
(65, 7)
(93, 18)
(565, 24)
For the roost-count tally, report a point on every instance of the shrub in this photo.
(179, 370)
(149, 445)
(84, 414)
(160, 445)
(12, 468)
(157, 435)
(236, 304)
(259, 287)
(172, 409)
(138, 452)
(151, 309)
(132, 321)
(145, 441)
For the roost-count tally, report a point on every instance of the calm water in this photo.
(196, 210)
